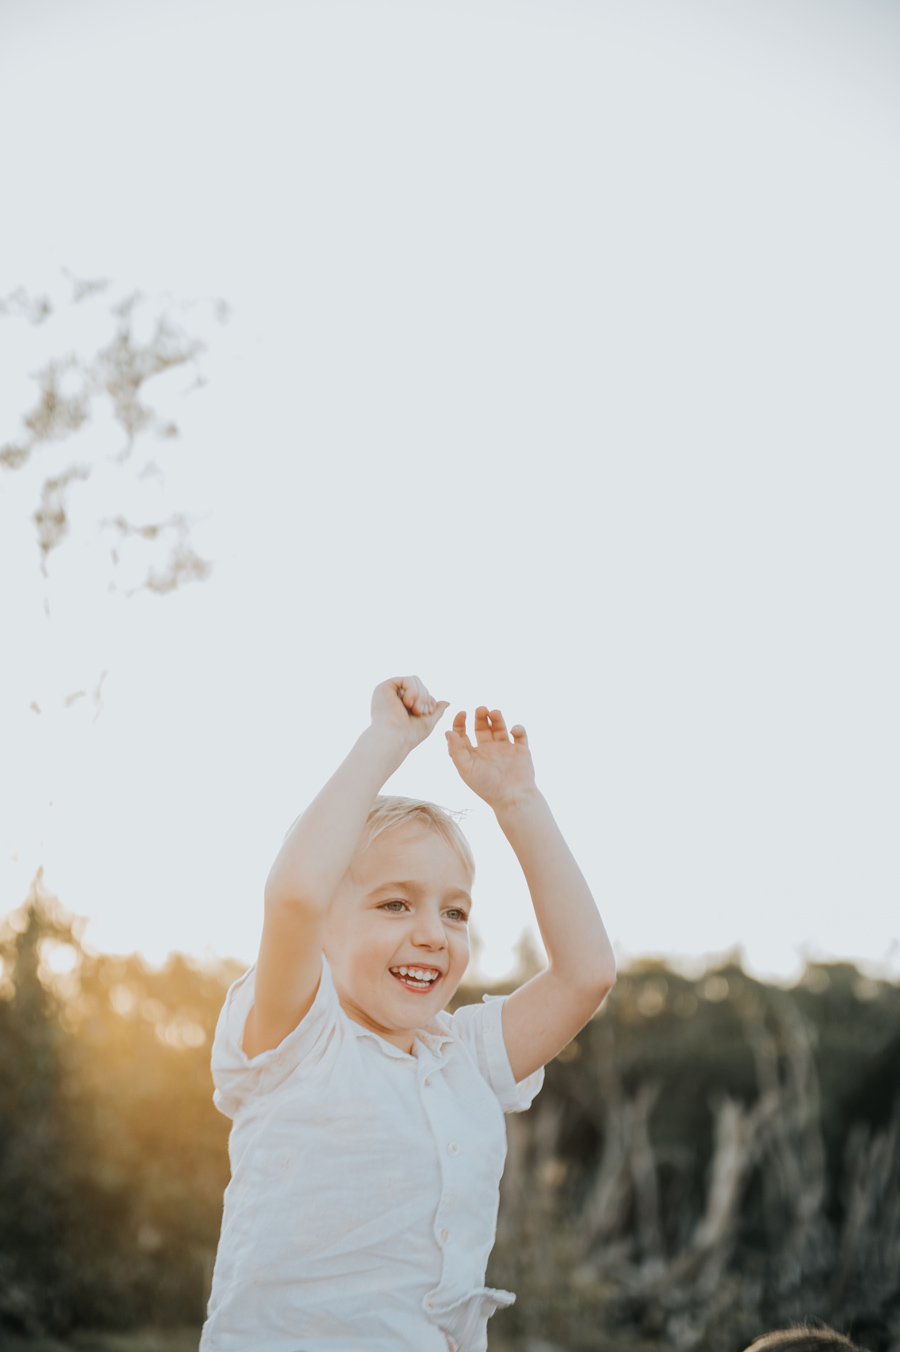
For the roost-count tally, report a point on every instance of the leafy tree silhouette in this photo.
(36, 1130)
(113, 1160)
(70, 391)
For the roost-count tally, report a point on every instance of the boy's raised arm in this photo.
(542, 1016)
(315, 855)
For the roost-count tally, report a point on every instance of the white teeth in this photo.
(422, 976)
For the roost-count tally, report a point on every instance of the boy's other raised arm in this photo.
(315, 855)
(542, 1016)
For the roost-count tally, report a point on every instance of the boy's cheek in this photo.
(459, 965)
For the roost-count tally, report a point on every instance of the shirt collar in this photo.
(434, 1038)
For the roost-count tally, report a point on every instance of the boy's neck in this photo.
(404, 1038)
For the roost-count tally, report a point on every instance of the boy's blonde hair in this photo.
(389, 811)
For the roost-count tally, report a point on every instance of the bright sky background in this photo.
(562, 370)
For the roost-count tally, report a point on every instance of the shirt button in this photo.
(445, 1235)
(452, 1148)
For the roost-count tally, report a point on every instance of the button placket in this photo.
(436, 1112)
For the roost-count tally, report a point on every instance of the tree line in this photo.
(709, 1158)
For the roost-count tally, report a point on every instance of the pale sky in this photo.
(562, 370)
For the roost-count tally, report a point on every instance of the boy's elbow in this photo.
(275, 891)
(282, 892)
(584, 990)
(605, 985)
(602, 979)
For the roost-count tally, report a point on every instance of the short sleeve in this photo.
(481, 1030)
(238, 1079)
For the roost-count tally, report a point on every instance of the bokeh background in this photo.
(549, 351)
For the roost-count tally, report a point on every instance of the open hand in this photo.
(499, 768)
(404, 706)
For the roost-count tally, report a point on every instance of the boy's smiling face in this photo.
(404, 902)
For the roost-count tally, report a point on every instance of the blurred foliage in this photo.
(708, 1159)
(113, 1160)
(83, 397)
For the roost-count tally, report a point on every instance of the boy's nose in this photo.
(429, 933)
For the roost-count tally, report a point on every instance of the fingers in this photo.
(489, 725)
(460, 748)
(498, 726)
(459, 729)
(415, 696)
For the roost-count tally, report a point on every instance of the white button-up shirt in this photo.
(362, 1206)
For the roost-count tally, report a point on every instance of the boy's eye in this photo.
(394, 906)
(456, 914)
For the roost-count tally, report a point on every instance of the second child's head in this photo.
(396, 935)
(803, 1338)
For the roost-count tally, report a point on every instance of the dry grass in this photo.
(146, 1340)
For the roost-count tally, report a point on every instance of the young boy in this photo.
(368, 1138)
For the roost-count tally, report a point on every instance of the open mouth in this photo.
(416, 978)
